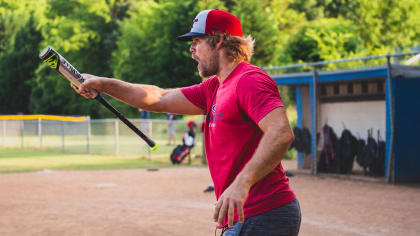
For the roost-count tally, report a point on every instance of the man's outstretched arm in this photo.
(147, 97)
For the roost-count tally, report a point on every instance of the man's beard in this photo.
(210, 68)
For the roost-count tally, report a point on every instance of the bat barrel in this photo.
(61, 65)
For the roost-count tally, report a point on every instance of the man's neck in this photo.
(225, 69)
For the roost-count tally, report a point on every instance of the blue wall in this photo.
(407, 129)
(406, 115)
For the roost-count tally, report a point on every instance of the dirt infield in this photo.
(171, 202)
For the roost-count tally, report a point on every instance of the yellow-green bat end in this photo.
(155, 147)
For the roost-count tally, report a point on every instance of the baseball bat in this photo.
(62, 66)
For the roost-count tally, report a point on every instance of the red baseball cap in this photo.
(211, 22)
(191, 123)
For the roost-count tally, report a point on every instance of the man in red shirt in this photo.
(246, 133)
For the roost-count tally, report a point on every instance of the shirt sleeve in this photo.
(258, 94)
(198, 94)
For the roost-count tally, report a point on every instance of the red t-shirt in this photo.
(233, 110)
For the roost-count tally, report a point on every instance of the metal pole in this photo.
(4, 133)
(21, 133)
(117, 137)
(314, 120)
(62, 137)
(391, 157)
(88, 135)
(40, 132)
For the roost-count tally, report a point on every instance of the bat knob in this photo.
(155, 147)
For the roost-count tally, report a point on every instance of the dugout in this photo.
(380, 98)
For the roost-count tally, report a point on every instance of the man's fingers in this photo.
(85, 89)
(86, 76)
(230, 215)
(217, 207)
(222, 211)
(81, 90)
(240, 211)
(74, 87)
(77, 89)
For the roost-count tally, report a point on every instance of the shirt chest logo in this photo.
(213, 109)
(213, 117)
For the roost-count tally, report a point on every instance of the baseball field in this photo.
(115, 196)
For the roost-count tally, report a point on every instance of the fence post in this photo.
(21, 133)
(117, 137)
(40, 132)
(4, 133)
(314, 115)
(62, 136)
(88, 135)
(390, 175)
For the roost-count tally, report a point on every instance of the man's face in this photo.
(206, 56)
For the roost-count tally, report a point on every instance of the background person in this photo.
(171, 129)
(247, 132)
(189, 137)
(145, 122)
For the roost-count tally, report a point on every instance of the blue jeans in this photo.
(284, 220)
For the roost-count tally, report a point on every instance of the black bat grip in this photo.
(150, 142)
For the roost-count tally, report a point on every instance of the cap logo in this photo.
(195, 20)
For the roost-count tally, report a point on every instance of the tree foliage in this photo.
(135, 40)
(328, 39)
(148, 51)
(257, 21)
(9, 21)
(85, 33)
(17, 65)
(387, 26)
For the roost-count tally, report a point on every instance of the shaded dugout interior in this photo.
(382, 99)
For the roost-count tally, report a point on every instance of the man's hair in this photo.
(237, 48)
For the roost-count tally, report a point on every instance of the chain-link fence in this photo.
(103, 136)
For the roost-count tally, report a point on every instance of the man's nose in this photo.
(192, 48)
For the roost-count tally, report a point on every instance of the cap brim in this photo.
(188, 36)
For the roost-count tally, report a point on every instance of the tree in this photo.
(338, 8)
(19, 39)
(257, 21)
(134, 40)
(288, 22)
(323, 40)
(387, 26)
(8, 24)
(311, 8)
(148, 51)
(85, 33)
(17, 65)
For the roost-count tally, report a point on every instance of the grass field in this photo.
(104, 137)
(63, 147)
(99, 144)
(24, 160)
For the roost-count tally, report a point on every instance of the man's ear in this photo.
(219, 44)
